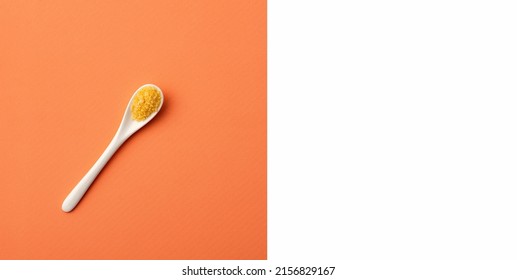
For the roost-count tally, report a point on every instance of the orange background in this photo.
(189, 185)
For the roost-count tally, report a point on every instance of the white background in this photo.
(393, 130)
(392, 150)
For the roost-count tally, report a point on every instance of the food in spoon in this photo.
(146, 101)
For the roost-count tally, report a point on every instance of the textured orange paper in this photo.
(189, 185)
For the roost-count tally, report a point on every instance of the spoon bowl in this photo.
(128, 126)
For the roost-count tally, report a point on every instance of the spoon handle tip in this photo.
(80, 189)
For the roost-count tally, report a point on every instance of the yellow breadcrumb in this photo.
(146, 101)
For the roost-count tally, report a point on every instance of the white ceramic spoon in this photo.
(127, 127)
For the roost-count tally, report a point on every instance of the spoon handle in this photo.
(80, 189)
